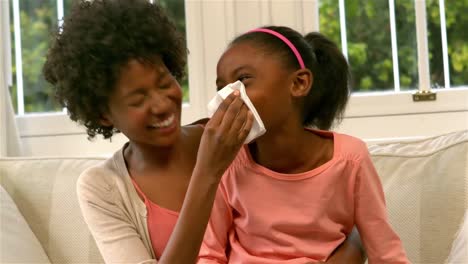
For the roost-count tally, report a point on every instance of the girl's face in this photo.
(146, 104)
(267, 81)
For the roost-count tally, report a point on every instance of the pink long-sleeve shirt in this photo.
(261, 216)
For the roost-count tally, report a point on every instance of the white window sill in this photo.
(390, 103)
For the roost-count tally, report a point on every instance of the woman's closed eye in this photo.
(137, 101)
(166, 84)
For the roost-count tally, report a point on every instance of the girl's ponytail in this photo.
(330, 90)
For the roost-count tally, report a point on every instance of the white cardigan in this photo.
(115, 214)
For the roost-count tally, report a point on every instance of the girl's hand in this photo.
(223, 136)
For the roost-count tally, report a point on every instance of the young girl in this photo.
(294, 194)
(115, 66)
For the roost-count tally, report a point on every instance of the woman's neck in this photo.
(143, 156)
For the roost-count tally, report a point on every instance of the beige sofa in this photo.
(425, 183)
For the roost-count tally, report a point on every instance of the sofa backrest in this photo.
(425, 183)
(45, 193)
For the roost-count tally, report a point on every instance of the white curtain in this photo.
(10, 143)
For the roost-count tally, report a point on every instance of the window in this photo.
(448, 44)
(176, 10)
(31, 24)
(392, 44)
(380, 38)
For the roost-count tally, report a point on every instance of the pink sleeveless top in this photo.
(160, 221)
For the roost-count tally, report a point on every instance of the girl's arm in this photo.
(380, 240)
(351, 251)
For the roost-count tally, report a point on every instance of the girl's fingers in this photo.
(245, 130)
(233, 119)
(218, 116)
(239, 120)
(230, 115)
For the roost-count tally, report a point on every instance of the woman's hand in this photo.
(350, 251)
(224, 135)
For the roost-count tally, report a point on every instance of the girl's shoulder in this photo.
(343, 143)
(200, 123)
(350, 146)
(193, 133)
(196, 128)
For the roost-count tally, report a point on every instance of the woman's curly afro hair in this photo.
(96, 40)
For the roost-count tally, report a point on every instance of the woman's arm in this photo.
(222, 138)
(350, 251)
(185, 241)
(215, 246)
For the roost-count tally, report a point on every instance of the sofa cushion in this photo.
(425, 186)
(18, 244)
(44, 190)
(459, 251)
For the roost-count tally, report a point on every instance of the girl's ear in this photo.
(302, 84)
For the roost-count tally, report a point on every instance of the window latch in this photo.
(424, 95)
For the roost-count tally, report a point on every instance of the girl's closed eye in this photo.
(243, 78)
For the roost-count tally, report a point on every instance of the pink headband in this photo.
(285, 40)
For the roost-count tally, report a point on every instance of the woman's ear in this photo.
(303, 80)
(105, 120)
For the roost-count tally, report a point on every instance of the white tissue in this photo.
(258, 128)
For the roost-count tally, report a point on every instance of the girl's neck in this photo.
(290, 150)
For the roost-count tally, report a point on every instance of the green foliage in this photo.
(457, 36)
(369, 41)
(368, 35)
(37, 19)
(176, 10)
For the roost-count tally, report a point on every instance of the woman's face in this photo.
(146, 104)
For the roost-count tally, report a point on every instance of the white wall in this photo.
(211, 25)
